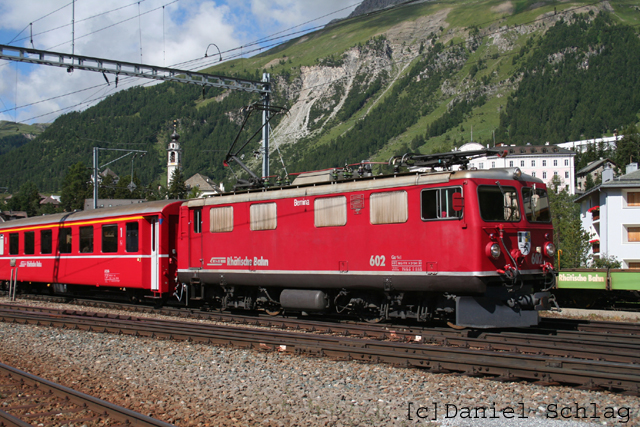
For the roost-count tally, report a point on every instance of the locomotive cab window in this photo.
(197, 220)
(498, 203)
(86, 240)
(440, 203)
(14, 243)
(263, 216)
(110, 238)
(221, 219)
(390, 207)
(330, 211)
(46, 240)
(536, 204)
(132, 237)
(64, 240)
(29, 242)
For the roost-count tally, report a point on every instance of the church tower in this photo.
(174, 155)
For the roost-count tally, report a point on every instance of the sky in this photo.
(167, 33)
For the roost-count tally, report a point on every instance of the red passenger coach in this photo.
(129, 248)
(472, 247)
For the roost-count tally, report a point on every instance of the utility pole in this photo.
(265, 125)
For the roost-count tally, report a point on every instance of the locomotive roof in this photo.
(133, 209)
(360, 184)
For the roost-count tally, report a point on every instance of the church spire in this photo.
(174, 160)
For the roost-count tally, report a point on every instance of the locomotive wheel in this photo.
(273, 311)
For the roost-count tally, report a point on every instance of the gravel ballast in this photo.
(203, 385)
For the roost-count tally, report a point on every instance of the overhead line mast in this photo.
(108, 66)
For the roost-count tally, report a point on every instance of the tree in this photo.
(606, 261)
(27, 199)
(628, 148)
(76, 187)
(568, 235)
(177, 188)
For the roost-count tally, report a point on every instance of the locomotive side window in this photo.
(221, 219)
(498, 203)
(46, 241)
(263, 216)
(132, 237)
(1, 244)
(29, 242)
(197, 220)
(14, 243)
(110, 238)
(330, 211)
(64, 240)
(438, 203)
(86, 240)
(391, 207)
(536, 205)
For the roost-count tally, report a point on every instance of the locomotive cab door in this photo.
(155, 249)
(195, 238)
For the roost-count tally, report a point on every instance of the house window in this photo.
(330, 211)
(544, 175)
(633, 198)
(555, 163)
(64, 240)
(633, 234)
(221, 219)
(29, 242)
(533, 174)
(511, 163)
(110, 238)
(263, 216)
(481, 166)
(132, 237)
(521, 163)
(390, 207)
(566, 162)
(544, 163)
(86, 240)
(555, 173)
(493, 164)
(46, 240)
(566, 175)
(634, 265)
(533, 163)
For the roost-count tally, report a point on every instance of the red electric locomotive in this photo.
(128, 248)
(473, 247)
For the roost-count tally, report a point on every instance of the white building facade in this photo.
(610, 213)
(544, 162)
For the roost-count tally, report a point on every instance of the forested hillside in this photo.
(424, 77)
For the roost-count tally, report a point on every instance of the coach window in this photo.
(64, 240)
(498, 203)
(438, 204)
(132, 237)
(330, 211)
(263, 216)
(389, 208)
(29, 242)
(46, 240)
(221, 219)
(110, 238)
(86, 240)
(14, 243)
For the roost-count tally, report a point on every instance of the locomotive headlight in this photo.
(550, 249)
(493, 250)
(517, 173)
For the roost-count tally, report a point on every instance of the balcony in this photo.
(595, 212)
(595, 246)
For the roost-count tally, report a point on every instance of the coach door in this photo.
(155, 247)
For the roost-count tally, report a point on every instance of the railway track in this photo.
(27, 400)
(584, 359)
